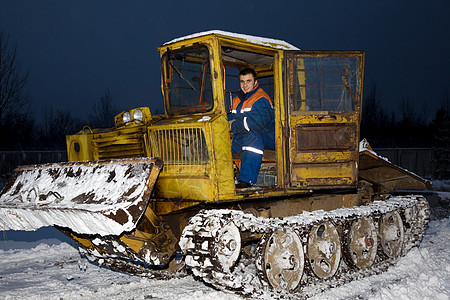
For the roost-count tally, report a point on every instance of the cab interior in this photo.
(234, 60)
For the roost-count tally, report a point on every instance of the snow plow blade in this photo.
(381, 172)
(101, 197)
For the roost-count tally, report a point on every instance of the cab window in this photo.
(327, 83)
(188, 81)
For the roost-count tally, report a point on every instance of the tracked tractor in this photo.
(156, 194)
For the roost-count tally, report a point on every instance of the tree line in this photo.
(409, 129)
(406, 129)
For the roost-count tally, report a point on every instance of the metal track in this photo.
(175, 269)
(202, 242)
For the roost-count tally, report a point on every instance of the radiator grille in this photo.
(181, 146)
(119, 144)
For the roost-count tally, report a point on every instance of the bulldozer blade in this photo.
(378, 170)
(100, 197)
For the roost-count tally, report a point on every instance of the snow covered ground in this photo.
(48, 266)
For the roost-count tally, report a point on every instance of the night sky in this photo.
(75, 50)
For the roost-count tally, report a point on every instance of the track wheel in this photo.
(283, 260)
(324, 250)
(227, 246)
(362, 243)
(392, 234)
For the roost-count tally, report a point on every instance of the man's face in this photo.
(247, 82)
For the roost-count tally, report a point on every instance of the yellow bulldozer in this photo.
(157, 194)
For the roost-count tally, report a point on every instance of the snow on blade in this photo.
(364, 146)
(104, 197)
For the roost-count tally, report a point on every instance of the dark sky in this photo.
(75, 50)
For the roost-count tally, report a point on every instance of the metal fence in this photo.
(418, 160)
(11, 159)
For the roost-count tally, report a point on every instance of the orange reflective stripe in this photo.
(255, 97)
(260, 93)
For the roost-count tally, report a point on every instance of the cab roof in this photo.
(268, 42)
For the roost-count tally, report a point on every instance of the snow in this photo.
(58, 272)
(55, 270)
(273, 43)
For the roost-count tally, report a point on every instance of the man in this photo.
(253, 126)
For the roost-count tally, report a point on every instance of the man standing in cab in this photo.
(253, 126)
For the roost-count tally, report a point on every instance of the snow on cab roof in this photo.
(273, 43)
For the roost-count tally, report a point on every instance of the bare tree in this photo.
(375, 122)
(441, 132)
(13, 98)
(55, 126)
(408, 114)
(16, 124)
(103, 111)
(372, 112)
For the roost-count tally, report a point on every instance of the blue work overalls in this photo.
(253, 131)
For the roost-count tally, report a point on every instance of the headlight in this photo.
(133, 117)
(126, 117)
(138, 115)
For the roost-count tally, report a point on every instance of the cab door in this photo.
(323, 91)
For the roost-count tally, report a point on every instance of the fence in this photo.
(11, 159)
(418, 160)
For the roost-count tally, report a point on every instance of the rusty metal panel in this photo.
(326, 137)
(324, 175)
(324, 157)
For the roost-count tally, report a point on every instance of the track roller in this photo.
(362, 242)
(392, 234)
(283, 260)
(324, 250)
(227, 247)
